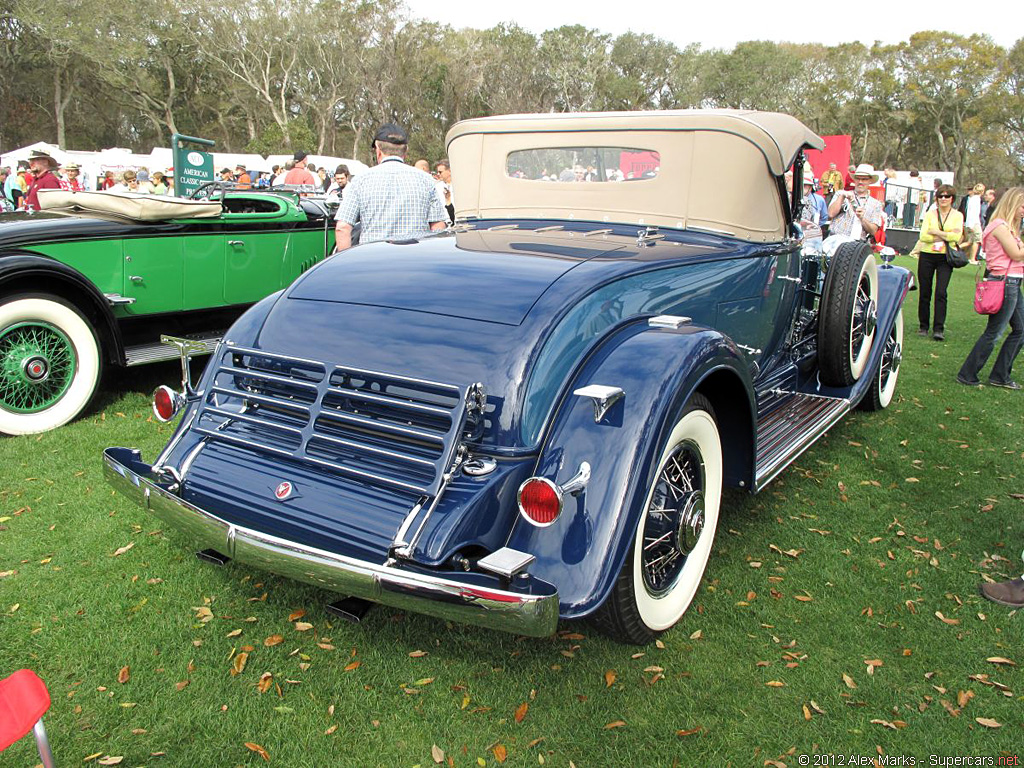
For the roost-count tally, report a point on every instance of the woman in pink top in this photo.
(1004, 254)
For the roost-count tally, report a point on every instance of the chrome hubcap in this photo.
(36, 368)
(691, 523)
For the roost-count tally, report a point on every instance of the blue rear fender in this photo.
(659, 370)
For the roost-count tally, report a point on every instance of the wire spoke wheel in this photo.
(674, 518)
(37, 365)
(883, 388)
(49, 363)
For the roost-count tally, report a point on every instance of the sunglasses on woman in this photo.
(946, 196)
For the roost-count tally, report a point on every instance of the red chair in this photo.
(23, 700)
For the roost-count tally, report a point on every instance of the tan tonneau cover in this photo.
(718, 169)
(126, 205)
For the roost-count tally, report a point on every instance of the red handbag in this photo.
(988, 295)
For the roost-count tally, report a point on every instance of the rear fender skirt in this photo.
(24, 270)
(658, 369)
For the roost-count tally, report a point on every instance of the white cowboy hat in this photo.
(866, 169)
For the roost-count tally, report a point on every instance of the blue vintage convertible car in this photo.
(532, 415)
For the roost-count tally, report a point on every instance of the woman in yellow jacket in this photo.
(941, 225)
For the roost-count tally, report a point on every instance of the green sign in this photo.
(192, 167)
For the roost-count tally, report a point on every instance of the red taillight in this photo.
(540, 501)
(165, 403)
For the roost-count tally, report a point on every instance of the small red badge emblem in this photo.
(284, 490)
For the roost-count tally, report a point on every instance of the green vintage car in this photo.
(98, 284)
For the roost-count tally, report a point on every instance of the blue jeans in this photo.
(1012, 314)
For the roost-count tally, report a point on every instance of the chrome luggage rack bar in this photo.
(380, 428)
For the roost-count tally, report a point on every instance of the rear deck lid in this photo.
(494, 276)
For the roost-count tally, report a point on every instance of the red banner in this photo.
(837, 150)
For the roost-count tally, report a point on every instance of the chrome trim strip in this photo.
(383, 426)
(283, 358)
(255, 373)
(373, 449)
(182, 429)
(211, 411)
(186, 465)
(242, 394)
(533, 613)
(409, 405)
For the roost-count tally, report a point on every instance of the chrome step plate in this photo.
(156, 352)
(790, 428)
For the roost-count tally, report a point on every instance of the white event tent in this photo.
(118, 159)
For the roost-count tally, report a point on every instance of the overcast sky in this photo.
(723, 24)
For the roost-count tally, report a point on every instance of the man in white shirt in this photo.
(972, 222)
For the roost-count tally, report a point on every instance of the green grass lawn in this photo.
(818, 628)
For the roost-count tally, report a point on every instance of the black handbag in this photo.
(954, 256)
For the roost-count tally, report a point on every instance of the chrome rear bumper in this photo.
(531, 612)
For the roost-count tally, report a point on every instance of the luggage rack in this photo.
(380, 428)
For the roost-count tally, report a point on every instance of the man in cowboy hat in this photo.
(71, 181)
(855, 213)
(41, 167)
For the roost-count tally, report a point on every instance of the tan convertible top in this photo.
(717, 168)
(127, 205)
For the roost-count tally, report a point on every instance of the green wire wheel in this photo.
(49, 364)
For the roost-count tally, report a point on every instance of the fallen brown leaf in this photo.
(182, 685)
(849, 681)
(775, 684)
(417, 654)
(690, 731)
(303, 626)
(122, 550)
(233, 633)
(521, 711)
(110, 760)
(258, 750)
(988, 722)
(944, 620)
(238, 663)
(1000, 660)
(124, 675)
(273, 640)
(609, 678)
(353, 665)
(437, 753)
(296, 615)
(500, 753)
(614, 724)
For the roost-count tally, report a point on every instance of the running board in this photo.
(790, 428)
(156, 352)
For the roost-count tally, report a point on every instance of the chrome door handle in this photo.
(135, 278)
(236, 242)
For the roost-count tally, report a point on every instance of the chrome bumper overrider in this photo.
(533, 612)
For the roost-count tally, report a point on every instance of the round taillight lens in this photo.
(164, 403)
(540, 501)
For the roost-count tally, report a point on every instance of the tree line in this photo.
(268, 76)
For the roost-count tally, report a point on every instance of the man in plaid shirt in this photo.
(392, 200)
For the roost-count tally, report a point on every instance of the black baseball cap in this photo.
(299, 155)
(392, 134)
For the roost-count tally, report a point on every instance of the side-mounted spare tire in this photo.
(673, 534)
(49, 363)
(847, 314)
